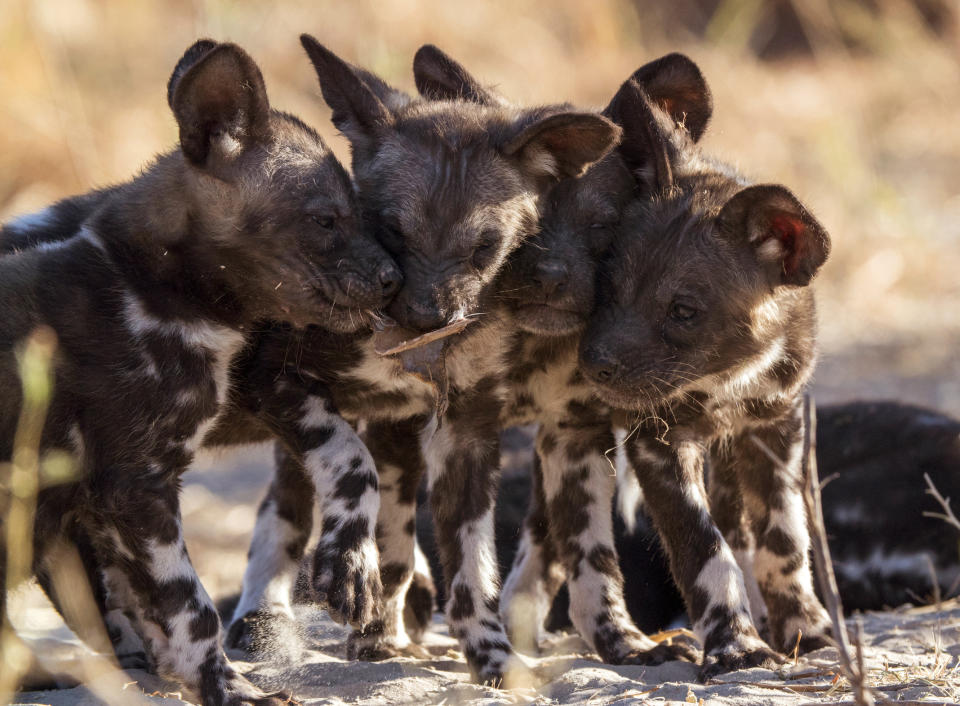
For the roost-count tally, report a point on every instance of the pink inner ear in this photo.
(790, 232)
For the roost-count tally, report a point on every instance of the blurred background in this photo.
(853, 105)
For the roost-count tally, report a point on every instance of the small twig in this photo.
(429, 337)
(798, 688)
(822, 562)
(947, 514)
(809, 674)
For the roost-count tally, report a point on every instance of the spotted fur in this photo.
(452, 188)
(158, 311)
(548, 289)
(705, 331)
(542, 386)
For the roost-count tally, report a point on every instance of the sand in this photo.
(912, 654)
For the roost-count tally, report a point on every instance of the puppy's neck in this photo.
(156, 231)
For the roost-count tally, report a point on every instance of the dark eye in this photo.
(483, 253)
(600, 236)
(391, 237)
(682, 312)
(324, 221)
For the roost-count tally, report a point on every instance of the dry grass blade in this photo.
(429, 337)
(947, 514)
(863, 695)
(21, 483)
(670, 634)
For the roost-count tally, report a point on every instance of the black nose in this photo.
(390, 280)
(551, 276)
(599, 364)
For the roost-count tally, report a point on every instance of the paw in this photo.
(230, 689)
(509, 673)
(675, 649)
(263, 634)
(135, 660)
(734, 657)
(348, 582)
(810, 643)
(370, 644)
(814, 633)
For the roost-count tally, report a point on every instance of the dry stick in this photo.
(947, 514)
(863, 695)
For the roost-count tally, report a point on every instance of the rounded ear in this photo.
(357, 111)
(564, 144)
(191, 56)
(789, 243)
(220, 103)
(439, 77)
(644, 147)
(675, 85)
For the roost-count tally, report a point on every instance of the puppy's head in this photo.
(453, 186)
(549, 283)
(269, 208)
(705, 287)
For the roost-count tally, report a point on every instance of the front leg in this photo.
(395, 446)
(579, 483)
(702, 563)
(263, 621)
(346, 564)
(462, 452)
(727, 508)
(773, 491)
(137, 532)
(536, 575)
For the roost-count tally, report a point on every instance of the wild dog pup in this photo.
(151, 302)
(452, 188)
(705, 332)
(355, 277)
(548, 289)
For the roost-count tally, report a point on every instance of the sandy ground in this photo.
(911, 655)
(914, 653)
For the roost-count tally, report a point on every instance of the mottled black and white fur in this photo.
(452, 187)
(157, 291)
(704, 335)
(882, 544)
(547, 288)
